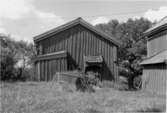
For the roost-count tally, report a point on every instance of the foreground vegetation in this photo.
(51, 97)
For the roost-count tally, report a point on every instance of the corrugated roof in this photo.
(73, 23)
(158, 58)
(162, 23)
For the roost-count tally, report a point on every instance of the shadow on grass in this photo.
(159, 110)
(91, 110)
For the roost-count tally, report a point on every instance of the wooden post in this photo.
(58, 75)
(38, 72)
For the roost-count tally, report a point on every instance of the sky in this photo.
(24, 19)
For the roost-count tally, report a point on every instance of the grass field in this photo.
(51, 97)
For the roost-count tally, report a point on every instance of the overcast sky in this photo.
(23, 19)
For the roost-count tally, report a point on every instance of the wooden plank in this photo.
(39, 69)
(62, 64)
(52, 67)
(87, 44)
(91, 45)
(48, 70)
(81, 48)
(76, 45)
(73, 44)
(84, 43)
(65, 64)
(45, 70)
(70, 42)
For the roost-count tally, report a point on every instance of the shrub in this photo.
(85, 84)
(7, 67)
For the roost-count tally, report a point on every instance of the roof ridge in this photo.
(159, 21)
(160, 24)
(58, 27)
(69, 24)
(163, 18)
(103, 33)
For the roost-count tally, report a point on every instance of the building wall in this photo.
(46, 69)
(154, 78)
(79, 41)
(157, 43)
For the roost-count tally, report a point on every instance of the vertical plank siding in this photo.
(78, 41)
(49, 67)
(157, 43)
(155, 72)
(154, 78)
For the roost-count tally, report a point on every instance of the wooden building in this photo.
(155, 65)
(65, 47)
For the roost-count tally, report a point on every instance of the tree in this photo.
(133, 44)
(7, 60)
(25, 52)
(16, 58)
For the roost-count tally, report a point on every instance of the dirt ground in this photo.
(51, 97)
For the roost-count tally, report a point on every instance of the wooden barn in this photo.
(155, 65)
(72, 46)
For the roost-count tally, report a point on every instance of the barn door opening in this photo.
(93, 66)
(94, 71)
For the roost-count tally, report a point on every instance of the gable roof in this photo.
(71, 24)
(162, 24)
(161, 57)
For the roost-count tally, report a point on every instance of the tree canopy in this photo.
(15, 57)
(130, 34)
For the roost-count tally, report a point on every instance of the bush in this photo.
(7, 67)
(85, 84)
(11, 53)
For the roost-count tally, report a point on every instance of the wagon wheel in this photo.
(137, 82)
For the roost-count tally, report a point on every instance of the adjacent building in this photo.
(155, 65)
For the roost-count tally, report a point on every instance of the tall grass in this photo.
(42, 97)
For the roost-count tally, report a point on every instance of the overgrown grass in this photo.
(49, 97)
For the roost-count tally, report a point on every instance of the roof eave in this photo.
(84, 23)
(143, 64)
(153, 31)
(73, 23)
(55, 30)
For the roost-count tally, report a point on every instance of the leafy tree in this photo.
(16, 58)
(7, 60)
(25, 52)
(133, 44)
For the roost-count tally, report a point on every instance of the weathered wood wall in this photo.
(154, 78)
(157, 43)
(46, 67)
(79, 41)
